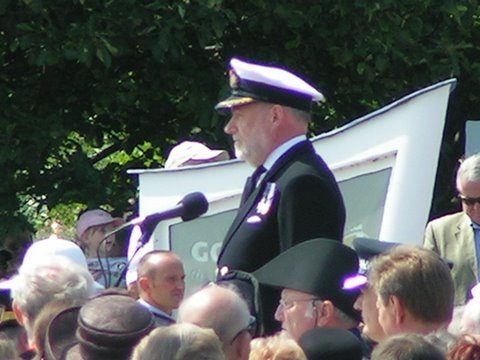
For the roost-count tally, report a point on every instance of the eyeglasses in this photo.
(287, 304)
(469, 201)
(250, 328)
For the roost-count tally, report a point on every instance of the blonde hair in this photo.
(276, 347)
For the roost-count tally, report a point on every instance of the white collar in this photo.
(282, 149)
(154, 309)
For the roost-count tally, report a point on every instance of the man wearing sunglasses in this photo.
(456, 237)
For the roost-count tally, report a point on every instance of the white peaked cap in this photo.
(253, 82)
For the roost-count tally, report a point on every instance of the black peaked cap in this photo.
(367, 248)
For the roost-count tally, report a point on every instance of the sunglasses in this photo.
(468, 201)
(250, 328)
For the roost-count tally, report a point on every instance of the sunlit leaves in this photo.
(91, 88)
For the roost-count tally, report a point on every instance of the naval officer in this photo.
(292, 195)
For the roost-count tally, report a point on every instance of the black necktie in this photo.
(251, 183)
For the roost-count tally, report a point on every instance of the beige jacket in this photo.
(452, 237)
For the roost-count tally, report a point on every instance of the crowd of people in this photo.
(287, 287)
(398, 305)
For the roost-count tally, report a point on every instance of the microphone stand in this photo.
(107, 274)
(146, 233)
(125, 269)
(190, 207)
(106, 278)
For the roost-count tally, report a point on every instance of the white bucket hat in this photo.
(51, 247)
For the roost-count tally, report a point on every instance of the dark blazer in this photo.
(297, 200)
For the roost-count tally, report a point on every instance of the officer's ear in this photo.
(277, 113)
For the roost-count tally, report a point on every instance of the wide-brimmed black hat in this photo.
(107, 327)
(253, 82)
(325, 343)
(319, 267)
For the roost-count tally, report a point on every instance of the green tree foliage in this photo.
(91, 88)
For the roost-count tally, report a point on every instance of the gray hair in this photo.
(52, 278)
(300, 114)
(469, 169)
(225, 311)
(470, 320)
(349, 321)
(455, 326)
(179, 342)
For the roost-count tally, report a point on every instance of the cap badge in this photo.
(233, 79)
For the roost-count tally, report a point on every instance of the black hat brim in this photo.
(318, 267)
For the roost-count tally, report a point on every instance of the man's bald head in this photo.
(224, 311)
(161, 280)
(154, 260)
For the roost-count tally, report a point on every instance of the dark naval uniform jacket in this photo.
(298, 199)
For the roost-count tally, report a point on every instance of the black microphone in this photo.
(190, 207)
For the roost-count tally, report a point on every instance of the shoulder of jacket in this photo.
(449, 219)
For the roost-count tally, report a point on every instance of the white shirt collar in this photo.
(282, 149)
(154, 309)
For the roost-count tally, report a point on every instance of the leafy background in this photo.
(91, 88)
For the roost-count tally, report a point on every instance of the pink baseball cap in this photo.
(94, 218)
